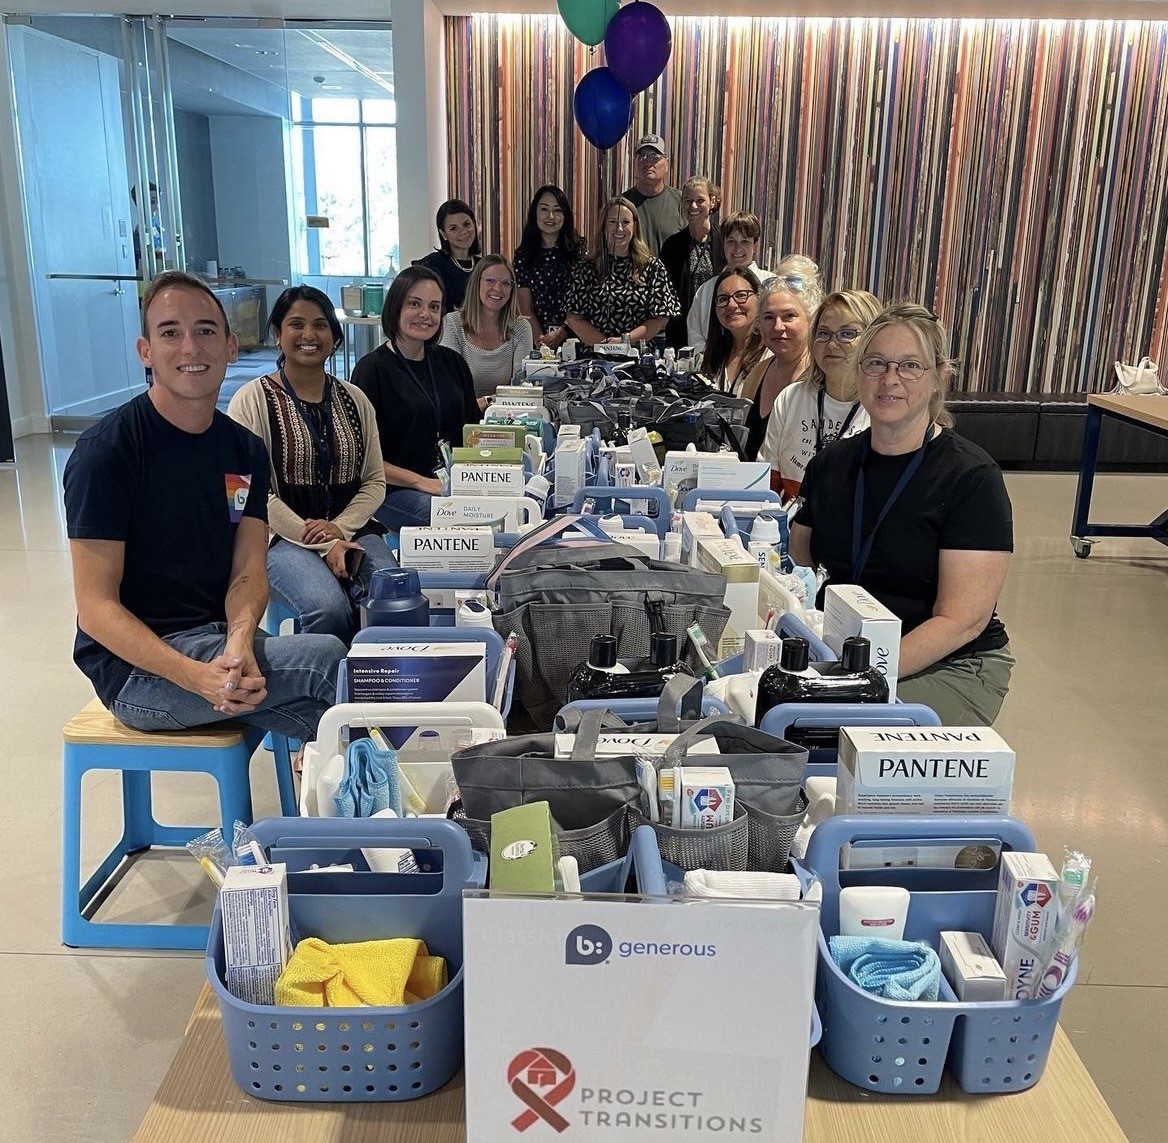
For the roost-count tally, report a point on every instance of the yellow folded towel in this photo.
(378, 974)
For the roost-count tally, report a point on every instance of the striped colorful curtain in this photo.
(1011, 174)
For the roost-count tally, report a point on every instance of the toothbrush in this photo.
(1067, 941)
(505, 659)
(700, 644)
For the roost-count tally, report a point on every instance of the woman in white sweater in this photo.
(814, 412)
(327, 477)
(488, 329)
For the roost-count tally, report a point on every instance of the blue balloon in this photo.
(603, 109)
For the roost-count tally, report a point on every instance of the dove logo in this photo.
(587, 944)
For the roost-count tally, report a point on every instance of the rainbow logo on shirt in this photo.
(237, 489)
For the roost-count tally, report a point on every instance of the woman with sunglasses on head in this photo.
(544, 258)
(458, 251)
(785, 305)
(326, 469)
(488, 330)
(920, 518)
(694, 254)
(422, 394)
(733, 347)
(825, 406)
(621, 291)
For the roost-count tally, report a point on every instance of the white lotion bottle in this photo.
(873, 911)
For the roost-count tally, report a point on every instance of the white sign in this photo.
(623, 1020)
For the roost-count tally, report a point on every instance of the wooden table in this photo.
(198, 1101)
(1149, 413)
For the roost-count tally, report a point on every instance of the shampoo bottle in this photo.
(395, 600)
(793, 679)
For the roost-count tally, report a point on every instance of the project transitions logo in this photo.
(587, 944)
(541, 1078)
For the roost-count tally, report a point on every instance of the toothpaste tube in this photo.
(1024, 919)
(706, 796)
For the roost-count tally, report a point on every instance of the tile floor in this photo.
(88, 1035)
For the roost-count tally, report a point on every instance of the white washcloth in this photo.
(821, 801)
(716, 883)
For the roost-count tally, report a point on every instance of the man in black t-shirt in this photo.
(166, 507)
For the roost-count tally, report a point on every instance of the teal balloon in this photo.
(587, 20)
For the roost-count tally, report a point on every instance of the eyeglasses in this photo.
(794, 281)
(739, 298)
(503, 283)
(907, 370)
(841, 336)
(649, 157)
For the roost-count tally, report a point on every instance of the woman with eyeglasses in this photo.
(694, 254)
(422, 393)
(458, 251)
(786, 303)
(825, 406)
(920, 518)
(620, 291)
(733, 346)
(327, 479)
(544, 258)
(488, 330)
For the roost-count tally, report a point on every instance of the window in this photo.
(345, 166)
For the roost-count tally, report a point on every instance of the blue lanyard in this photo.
(861, 548)
(820, 439)
(321, 435)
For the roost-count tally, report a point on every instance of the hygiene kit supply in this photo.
(395, 600)
(894, 970)
(969, 965)
(873, 911)
(417, 672)
(604, 677)
(794, 679)
(850, 610)
(360, 974)
(456, 549)
(924, 770)
(254, 905)
(761, 886)
(523, 850)
(1024, 919)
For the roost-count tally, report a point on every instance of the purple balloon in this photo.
(637, 45)
(603, 109)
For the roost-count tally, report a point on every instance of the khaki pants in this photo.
(964, 692)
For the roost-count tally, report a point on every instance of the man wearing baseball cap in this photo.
(658, 205)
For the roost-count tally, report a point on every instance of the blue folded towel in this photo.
(895, 970)
(370, 782)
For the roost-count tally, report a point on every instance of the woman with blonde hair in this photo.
(920, 518)
(488, 329)
(694, 254)
(824, 406)
(620, 291)
(785, 305)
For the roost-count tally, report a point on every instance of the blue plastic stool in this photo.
(274, 618)
(95, 740)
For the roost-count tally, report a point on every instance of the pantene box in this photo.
(924, 770)
(447, 549)
(486, 480)
(850, 610)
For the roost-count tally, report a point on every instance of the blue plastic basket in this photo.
(357, 1054)
(902, 1048)
(653, 875)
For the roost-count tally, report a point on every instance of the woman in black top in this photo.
(459, 250)
(694, 254)
(422, 394)
(544, 258)
(620, 291)
(920, 518)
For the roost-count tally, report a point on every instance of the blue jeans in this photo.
(324, 604)
(405, 506)
(300, 671)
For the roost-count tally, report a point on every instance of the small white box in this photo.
(730, 472)
(741, 571)
(969, 965)
(924, 770)
(417, 672)
(681, 468)
(1024, 919)
(486, 480)
(611, 744)
(571, 462)
(253, 904)
(647, 542)
(447, 549)
(499, 513)
(704, 796)
(849, 610)
(644, 456)
(568, 432)
(693, 525)
(762, 648)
